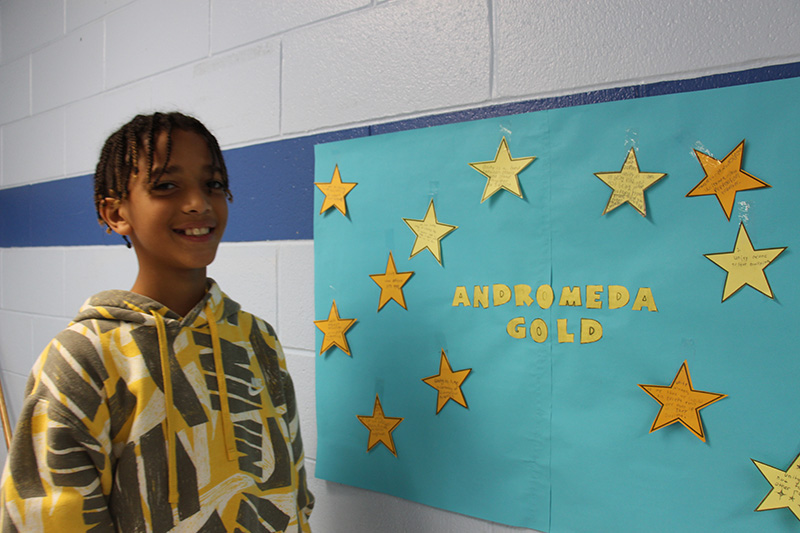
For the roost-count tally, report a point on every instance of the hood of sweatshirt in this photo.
(213, 309)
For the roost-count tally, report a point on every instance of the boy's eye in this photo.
(216, 185)
(163, 186)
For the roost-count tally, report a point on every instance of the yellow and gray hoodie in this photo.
(136, 419)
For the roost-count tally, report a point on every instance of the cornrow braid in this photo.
(120, 154)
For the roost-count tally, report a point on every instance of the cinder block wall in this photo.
(258, 71)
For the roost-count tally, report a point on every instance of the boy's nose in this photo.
(197, 201)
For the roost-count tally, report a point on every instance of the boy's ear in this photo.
(114, 217)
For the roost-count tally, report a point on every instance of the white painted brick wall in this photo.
(151, 36)
(73, 65)
(395, 59)
(71, 71)
(15, 90)
(238, 22)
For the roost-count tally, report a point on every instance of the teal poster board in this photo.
(564, 309)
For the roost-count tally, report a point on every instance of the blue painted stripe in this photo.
(273, 183)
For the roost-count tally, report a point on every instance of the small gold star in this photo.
(429, 233)
(380, 427)
(745, 266)
(502, 172)
(681, 403)
(391, 284)
(448, 383)
(335, 192)
(725, 178)
(781, 481)
(628, 185)
(334, 330)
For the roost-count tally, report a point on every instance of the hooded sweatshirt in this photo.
(136, 419)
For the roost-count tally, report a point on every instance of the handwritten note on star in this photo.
(502, 172)
(680, 402)
(429, 233)
(391, 283)
(380, 427)
(725, 178)
(448, 384)
(335, 192)
(628, 185)
(785, 491)
(745, 265)
(334, 330)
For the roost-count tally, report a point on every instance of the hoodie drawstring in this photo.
(222, 385)
(169, 435)
(171, 412)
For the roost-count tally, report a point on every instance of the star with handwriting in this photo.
(785, 491)
(448, 384)
(380, 427)
(391, 283)
(628, 185)
(724, 178)
(502, 172)
(334, 330)
(745, 265)
(680, 402)
(429, 233)
(335, 192)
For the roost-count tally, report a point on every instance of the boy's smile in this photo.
(175, 222)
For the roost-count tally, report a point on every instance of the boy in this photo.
(166, 407)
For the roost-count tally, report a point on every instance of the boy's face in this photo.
(177, 224)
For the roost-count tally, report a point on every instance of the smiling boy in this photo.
(166, 407)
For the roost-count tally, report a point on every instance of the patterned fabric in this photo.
(96, 448)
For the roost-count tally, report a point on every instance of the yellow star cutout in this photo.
(448, 383)
(628, 185)
(502, 172)
(745, 266)
(335, 329)
(391, 284)
(785, 491)
(429, 233)
(725, 178)
(681, 403)
(335, 192)
(380, 427)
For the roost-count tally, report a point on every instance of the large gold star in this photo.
(429, 232)
(628, 185)
(725, 178)
(448, 383)
(334, 329)
(785, 491)
(681, 403)
(335, 192)
(380, 427)
(502, 171)
(391, 284)
(745, 266)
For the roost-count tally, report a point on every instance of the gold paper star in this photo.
(391, 284)
(448, 383)
(429, 232)
(334, 329)
(725, 178)
(628, 185)
(380, 427)
(502, 171)
(785, 491)
(681, 403)
(335, 192)
(745, 266)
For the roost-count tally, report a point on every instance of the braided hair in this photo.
(120, 154)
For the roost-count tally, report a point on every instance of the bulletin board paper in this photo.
(560, 305)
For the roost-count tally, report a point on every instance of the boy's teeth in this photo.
(197, 231)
